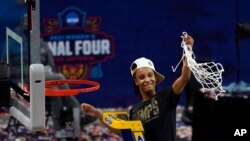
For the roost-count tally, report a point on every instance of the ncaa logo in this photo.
(72, 18)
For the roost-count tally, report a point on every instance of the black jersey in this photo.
(158, 116)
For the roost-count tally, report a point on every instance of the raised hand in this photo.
(189, 41)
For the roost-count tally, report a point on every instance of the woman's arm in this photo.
(91, 110)
(181, 81)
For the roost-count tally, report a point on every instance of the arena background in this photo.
(144, 28)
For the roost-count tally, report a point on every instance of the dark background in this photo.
(152, 29)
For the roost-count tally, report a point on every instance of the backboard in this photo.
(20, 49)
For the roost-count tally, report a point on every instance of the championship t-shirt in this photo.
(158, 116)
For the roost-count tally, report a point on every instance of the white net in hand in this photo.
(208, 74)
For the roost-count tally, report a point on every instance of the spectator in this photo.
(58, 102)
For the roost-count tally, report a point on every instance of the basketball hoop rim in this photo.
(69, 92)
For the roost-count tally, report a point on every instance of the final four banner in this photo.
(77, 43)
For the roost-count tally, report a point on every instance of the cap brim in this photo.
(159, 77)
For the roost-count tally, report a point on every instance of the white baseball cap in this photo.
(144, 62)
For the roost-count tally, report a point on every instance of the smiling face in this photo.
(145, 80)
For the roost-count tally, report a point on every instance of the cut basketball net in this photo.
(51, 91)
(208, 74)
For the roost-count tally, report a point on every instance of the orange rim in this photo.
(69, 92)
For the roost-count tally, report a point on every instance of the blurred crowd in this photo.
(91, 130)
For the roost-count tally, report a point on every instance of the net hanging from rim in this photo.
(208, 74)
